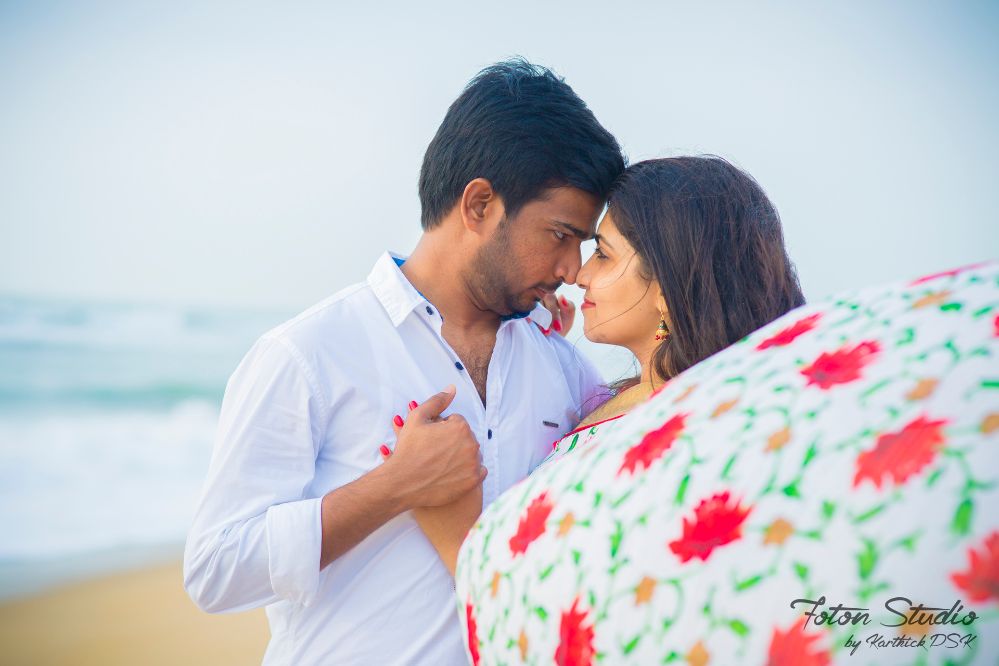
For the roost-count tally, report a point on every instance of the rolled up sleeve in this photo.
(256, 537)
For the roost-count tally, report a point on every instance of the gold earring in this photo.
(662, 332)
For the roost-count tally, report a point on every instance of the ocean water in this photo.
(107, 419)
(107, 415)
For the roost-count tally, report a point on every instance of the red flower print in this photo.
(794, 648)
(532, 525)
(995, 327)
(841, 366)
(473, 639)
(786, 336)
(981, 581)
(575, 646)
(951, 273)
(715, 523)
(901, 454)
(653, 445)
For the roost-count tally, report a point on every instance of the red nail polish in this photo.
(385, 450)
(565, 303)
(413, 404)
(398, 420)
(557, 325)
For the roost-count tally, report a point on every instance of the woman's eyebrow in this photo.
(602, 240)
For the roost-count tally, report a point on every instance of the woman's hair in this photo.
(707, 233)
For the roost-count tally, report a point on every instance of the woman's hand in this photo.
(563, 314)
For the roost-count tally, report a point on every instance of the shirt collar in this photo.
(399, 297)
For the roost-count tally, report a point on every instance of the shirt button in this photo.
(489, 433)
(430, 310)
(458, 365)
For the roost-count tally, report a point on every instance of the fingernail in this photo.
(398, 420)
(561, 299)
(413, 405)
(449, 388)
(557, 326)
(385, 450)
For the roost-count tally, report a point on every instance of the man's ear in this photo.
(480, 207)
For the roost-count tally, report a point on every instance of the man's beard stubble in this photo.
(490, 277)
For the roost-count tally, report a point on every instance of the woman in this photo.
(690, 258)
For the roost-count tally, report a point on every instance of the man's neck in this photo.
(435, 269)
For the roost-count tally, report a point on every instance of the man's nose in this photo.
(568, 268)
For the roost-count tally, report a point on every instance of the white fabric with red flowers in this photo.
(846, 455)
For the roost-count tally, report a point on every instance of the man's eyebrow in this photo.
(602, 240)
(575, 231)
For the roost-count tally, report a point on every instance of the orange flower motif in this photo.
(914, 630)
(715, 523)
(522, 644)
(532, 525)
(787, 336)
(841, 366)
(473, 639)
(990, 423)
(494, 585)
(698, 655)
(643, 593)
(794, 647)
(686, 393)
(777, 440)
(922, 390)
(981, 581)
(778, 532)
(900, 455)
(931, 299)
(575, 640)
(724, 407)
(653, 445)
(566, 524)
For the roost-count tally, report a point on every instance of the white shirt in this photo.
(305, 412)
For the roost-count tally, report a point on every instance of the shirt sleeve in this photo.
(256, 537)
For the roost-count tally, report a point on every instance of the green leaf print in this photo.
(801, 570)
(616, 539)
(632, 644)
(682, 490)
(828, 509)
(961, 525)
(739, 627)
(870, 513)
(867, 559)
(748, 583)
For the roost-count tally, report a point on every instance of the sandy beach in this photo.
(136, 617)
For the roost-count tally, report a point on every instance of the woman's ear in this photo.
(480, 206)
(661, 302)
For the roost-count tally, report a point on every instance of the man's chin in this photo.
(522, 307)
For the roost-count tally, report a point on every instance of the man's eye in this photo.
(559, 235)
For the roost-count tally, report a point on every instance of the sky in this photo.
(265, 154)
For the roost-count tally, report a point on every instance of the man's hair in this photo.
(522, 128)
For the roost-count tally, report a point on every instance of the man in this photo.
(299, 513)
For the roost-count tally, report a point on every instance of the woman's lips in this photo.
(586, 304)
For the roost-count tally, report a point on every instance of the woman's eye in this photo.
(599, 253)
